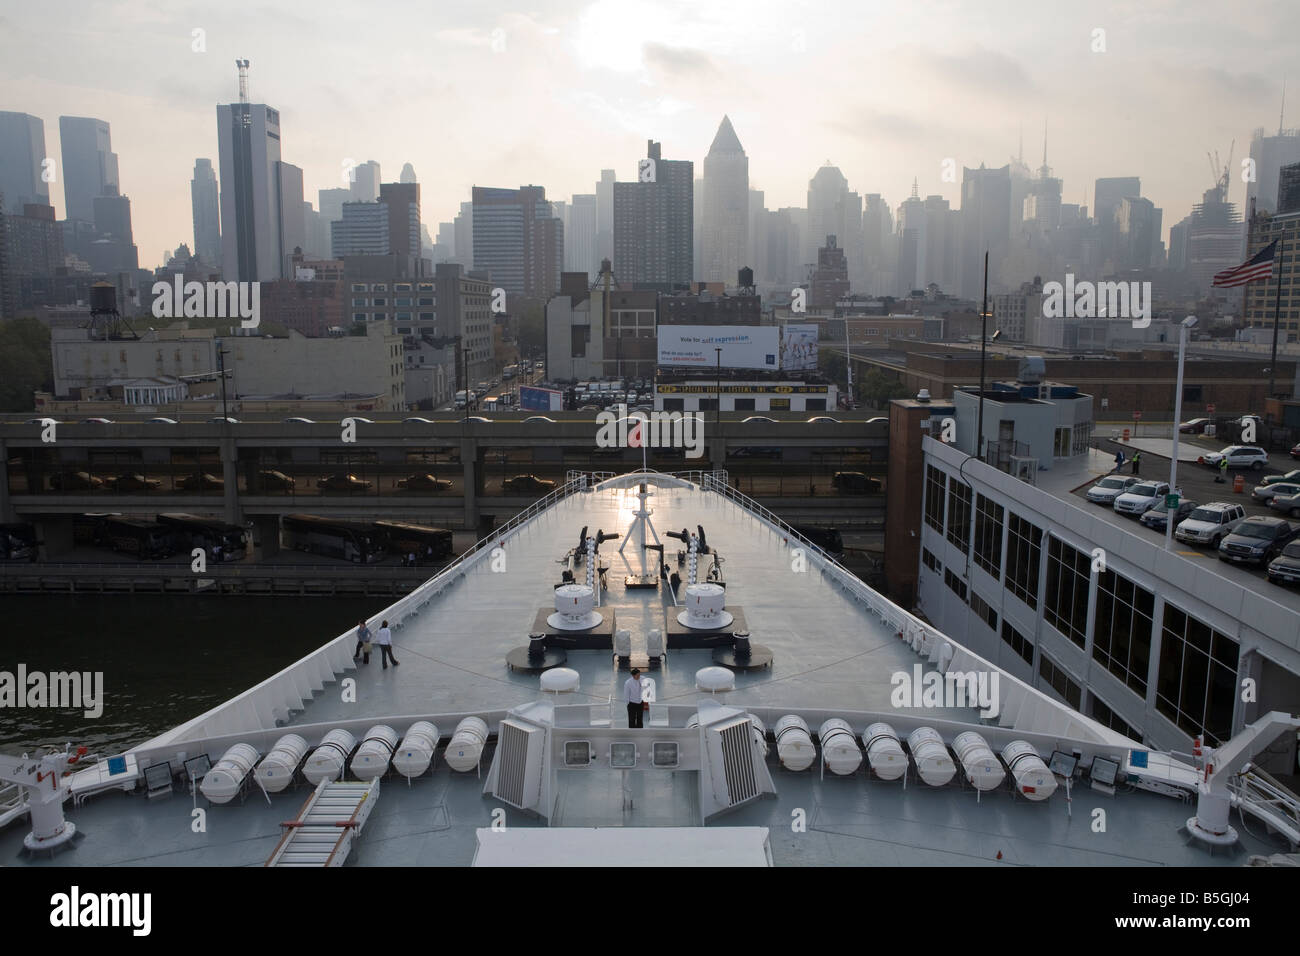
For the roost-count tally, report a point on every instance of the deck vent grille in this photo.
(738, 761)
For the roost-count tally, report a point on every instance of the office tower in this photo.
(1270, 154)
(697, 228)
(879, 251)
(725, 232)
(403, 201)
(89, 164)
(248, 137)
(834, 210)
(408, 174)
(605, 215)
(206, 203)
(985, 225)
(31, 249)
(330, 203)
(1213, 241)
(518, 240)
(293, 227)
(22, 151)
(363, 230)
(1137, 224)
(316, 234)
(1265, 300)
(1288, 189)
(464, 309)
(654, 225)
(463, 225)
(580, 235)
(1042, 205)
(114, 247)
(830, 281)
(365, 182)
(756, 241)
(911, 243)
(1105, 204)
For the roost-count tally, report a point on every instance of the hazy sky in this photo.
(485, 93)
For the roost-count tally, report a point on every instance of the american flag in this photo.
(1259, 266)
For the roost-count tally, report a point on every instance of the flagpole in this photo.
(1277, 314)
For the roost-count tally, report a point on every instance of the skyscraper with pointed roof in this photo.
(725, 228)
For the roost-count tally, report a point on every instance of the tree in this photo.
(26, 364)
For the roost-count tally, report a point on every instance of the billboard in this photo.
(799, 347)
(540, 399)
(743, 346)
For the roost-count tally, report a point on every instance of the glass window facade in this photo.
(936, 485)
(988, 535)
(1065, 602)
(959, 501)
(1121, 633)
(1019, 643)
(1023, 555)
(1055, 677)
(1197, 683)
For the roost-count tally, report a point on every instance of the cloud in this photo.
(679, 62)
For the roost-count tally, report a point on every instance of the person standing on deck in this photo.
(633, 694)
(363, 643)
(385, 639)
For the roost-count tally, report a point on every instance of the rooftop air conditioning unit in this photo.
(1026, 469)
(1032, 369)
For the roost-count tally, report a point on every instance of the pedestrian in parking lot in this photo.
(385, 640)
(1223, 470)
(1137, 459)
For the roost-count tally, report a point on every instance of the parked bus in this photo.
(354, 541)
(17, 542)
(509, 372)
(404, 539)
(193, 531)
(138, 536)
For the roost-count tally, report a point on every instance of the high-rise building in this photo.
(654, 224)
(1288, 189)
(518, 240)
(756, 241)
(407, 176)
(1278, 296)
(1042, 205)
(1105, 205)
(293, 227)
(403, 202)
(316, 233)
(365, 182)
(248, 138)
(206, 203)
(89, 164)
(1137, 224)
(463, 225)
(725, 228)
(22, 151)
(1270, 154)
(985, 224)
(330, 202)
(580, 235)
(114, 248)
(834, 210)
(830, 282)
(605, 215)
(31, 248)
(879, 251)
(464, 309)
(363, 230)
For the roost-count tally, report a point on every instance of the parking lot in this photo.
(1196, 482)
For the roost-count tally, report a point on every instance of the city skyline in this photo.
(606, 77)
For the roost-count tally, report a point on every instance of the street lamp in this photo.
(1187, 324)
(984, 317)
(717, 395)
(221, 370)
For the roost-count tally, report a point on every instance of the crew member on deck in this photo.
(634, 694)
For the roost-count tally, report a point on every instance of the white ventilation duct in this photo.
(326, 761)
(1032, 776)
(760, 734)
(794, 744)
(933, 762)
(623, 642)
(715, 680)
(374, 753)
(704, 608)
(574, 608)
(884, 752)
(466, 745)
(654, 643)
(222, 782)
(978, 760)
(415, 752)
(839, 747)
(276, 770)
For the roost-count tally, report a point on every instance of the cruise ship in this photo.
(789, 715)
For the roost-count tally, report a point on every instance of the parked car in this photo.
(756, 451)
(855, 482)
(878, 420)
(1157, 516)
(1195, 426)
(758, 418)
(343, 482)
(1292, 476)
(1210, 523)
(135, 482)
(1105, 491)
(479, 419)
(223, 421)
(1257, 540)
(538, 420)
(1266, 493)
(1285, 568)
(823, 420)
(1289, 505)
(425, 482)
(76, 481)
(1136, 499)
(527, 484)
(97, 421)
(161, 421)
(277, 480)
(416, 420)
(356, 420)
(40, 421)
(1239, 456)
(298, 420)
(202, 482)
